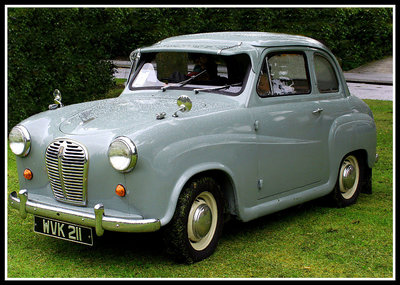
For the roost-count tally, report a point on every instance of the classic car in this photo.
(209, 126)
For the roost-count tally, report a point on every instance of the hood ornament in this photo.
(184, 103)
(57, 100)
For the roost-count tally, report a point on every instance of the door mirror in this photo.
(184, 103)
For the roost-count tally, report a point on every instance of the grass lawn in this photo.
(307, 241)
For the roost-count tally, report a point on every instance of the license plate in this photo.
(63, 230)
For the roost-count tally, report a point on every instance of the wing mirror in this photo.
(184, 103)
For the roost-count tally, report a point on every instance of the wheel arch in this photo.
(226, 184)
(220, 173)
(352, 134)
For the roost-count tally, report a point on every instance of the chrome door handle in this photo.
(319, 110)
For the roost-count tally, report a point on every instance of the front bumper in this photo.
(97, 220)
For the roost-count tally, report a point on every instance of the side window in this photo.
(287, 73)
(326, 76)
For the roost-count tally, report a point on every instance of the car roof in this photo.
(233, 42)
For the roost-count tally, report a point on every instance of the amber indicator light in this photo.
(28, 174)
(120, 190)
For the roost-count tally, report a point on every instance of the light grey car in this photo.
(209, 126)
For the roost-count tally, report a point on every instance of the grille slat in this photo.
(67, 164)
(72, 178)
(72, 185)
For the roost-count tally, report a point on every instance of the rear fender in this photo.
(351, 133)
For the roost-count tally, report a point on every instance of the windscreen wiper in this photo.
(217, 88)
(183, 83)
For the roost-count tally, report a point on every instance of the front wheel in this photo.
(195, 228)
(348, 185)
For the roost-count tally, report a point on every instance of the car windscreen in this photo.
(196, 71)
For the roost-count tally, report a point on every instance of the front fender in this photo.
(232, 154)
(185, 178)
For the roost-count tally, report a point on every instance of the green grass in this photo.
(307, 241)
(116, 91)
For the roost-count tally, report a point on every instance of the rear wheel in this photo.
(349, 181)
(196, 226)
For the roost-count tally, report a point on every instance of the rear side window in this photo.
(326, 77)
(287, 73)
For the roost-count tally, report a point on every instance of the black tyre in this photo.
(196, 226)
(349, 182)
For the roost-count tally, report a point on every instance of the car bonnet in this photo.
(138, 111)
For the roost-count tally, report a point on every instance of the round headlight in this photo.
(122, 154)
(20, 141)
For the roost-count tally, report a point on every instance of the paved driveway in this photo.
(371, 91)
(373, 80)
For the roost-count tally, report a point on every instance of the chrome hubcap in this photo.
(349, 177)
(201, 223)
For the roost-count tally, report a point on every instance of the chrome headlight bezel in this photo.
(122, 154)
(20, 135)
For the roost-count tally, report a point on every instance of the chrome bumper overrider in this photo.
(96, 220)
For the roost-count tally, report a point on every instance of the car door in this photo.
(287, 122)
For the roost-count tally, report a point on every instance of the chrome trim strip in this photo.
(237, 45)
(97, 220)
(60, 168)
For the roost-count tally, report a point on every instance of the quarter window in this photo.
(326, 77)
(287, 73)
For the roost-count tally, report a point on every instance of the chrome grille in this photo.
(67, 165)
